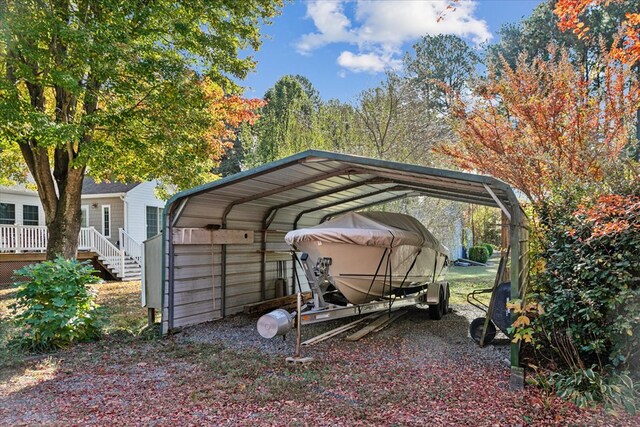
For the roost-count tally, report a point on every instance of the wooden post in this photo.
(298, 324)
(151, 316)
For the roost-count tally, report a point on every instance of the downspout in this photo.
(125, 205)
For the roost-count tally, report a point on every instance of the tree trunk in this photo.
(64, 225)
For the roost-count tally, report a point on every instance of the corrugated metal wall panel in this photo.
(199, 307)
(236, 304)
(194, 296)
(193, 284)
(195, 319)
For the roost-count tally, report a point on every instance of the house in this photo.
(112, 206)
(20, 205)
(116, 219)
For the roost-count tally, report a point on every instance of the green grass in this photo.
(464, 280)
(121, 312)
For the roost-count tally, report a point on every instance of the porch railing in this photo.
(27, 238)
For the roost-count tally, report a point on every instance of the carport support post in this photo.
(516, 381)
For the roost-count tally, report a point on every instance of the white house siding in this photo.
(137, 200)
(20, 196)
(95, 205)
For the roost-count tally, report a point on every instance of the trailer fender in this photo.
(433, 292)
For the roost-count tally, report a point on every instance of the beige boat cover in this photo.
(382, 229)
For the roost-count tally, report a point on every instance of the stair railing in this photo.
(130, 246)
(107, 250)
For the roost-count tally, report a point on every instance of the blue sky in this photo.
(344, 46)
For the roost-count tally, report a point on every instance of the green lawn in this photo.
(467, 279)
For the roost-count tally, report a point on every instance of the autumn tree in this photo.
(119, 90)
(533, 35)
(575, 14)
(542, 125)
(575, 17)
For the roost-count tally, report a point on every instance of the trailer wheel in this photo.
(475, 330)
(446, 306)
(436, 311)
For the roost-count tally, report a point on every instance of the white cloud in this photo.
(367, 62)
(380, 28)
(331, 22)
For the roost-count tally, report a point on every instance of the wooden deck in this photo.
(11, 261)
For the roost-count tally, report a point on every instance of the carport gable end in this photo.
(209, 280)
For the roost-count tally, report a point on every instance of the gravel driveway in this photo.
(443, 339)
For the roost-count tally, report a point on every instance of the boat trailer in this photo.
(433, 296)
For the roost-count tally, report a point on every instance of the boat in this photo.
(373, 254)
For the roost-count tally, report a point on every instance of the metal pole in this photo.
(298, 324)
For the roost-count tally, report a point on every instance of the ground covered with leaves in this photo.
(415, 372)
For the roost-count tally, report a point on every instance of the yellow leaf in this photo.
(514, 305)
(515, 339)
(531, 306)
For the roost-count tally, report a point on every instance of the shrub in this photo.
(591, 291)
(478, 254)
(54, 305)
(489, 247)
(588, 387)
(590, 295)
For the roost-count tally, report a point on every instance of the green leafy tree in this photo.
(441, 68)
(121, 90)
(287, 121)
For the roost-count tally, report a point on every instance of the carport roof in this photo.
(308, 187)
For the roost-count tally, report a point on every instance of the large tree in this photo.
(287, 121)
(394, 124)
(543, 27)
(121, 90)
(441, 68)
(543, 125)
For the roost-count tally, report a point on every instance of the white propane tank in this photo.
(278, 322)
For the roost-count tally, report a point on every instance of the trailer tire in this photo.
(475, 330)
(446, 306)
(436, 311)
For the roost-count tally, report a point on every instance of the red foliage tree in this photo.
(570, 12)
(544, 124)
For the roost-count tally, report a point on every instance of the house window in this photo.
(153, 221)
(7, 213)
(84, 216)
(106, 220)
(29, 215)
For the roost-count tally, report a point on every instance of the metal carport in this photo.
(223, 242)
